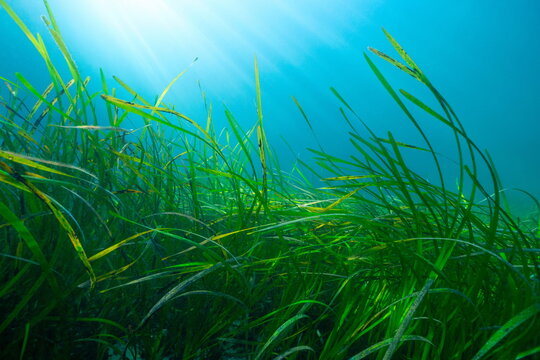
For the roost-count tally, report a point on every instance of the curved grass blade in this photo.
(241, 138)
(162, 96)
(20, 23)
(401, 144)
(178, 288)
(25, 340)
(29, 241)
(394, 62)
(50, 104)
(506, 329)
(64, 223)
(528, 353)
(134, 108)
(131, 91)
(38, 103)
(32, 162)
(216, 294)
(23, 301)
(119, 244)
(279, 333)
(382, 344)
(261, 137)
(405, 324)
(10, 181)
(285, 354)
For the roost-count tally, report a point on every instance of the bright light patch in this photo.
(137, 27)
(156, 39)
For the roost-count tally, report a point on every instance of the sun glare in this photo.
(156, 39)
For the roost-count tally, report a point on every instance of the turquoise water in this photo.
(482, 55)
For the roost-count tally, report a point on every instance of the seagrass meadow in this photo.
(178, 240)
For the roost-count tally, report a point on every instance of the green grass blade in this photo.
(382, 344)
(174, 292)
(406, 321)
(506, 329)
(280, 332)
(287, 353)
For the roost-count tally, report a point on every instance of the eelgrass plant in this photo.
(178, 241)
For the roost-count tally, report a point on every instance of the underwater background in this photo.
(483, 55)
(269, 180)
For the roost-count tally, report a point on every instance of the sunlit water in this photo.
(482, 55)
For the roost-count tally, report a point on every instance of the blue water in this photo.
(482, 56)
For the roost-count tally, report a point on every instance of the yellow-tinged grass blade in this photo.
(108, 275)
(261, 136)
(64, 223)
(351, 177)
(118, 270)
(131, 91)
(402, 53)
(221, 236)
(55, 32)
(53, 103)
(80, 90)
(130, 106)
(50, 105)
(33, 162)
(334, 204)
(132, 158)
(20, 23)
(119, 244)
(21, 159)
(172, 160)
(92, 127)
(396, 63)
(219, 173)
(55, 75)
(262, 154)
(27, 136)
(160, 99)
(10, 181)
(258, 92)
(39, 102)
(392, 142)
